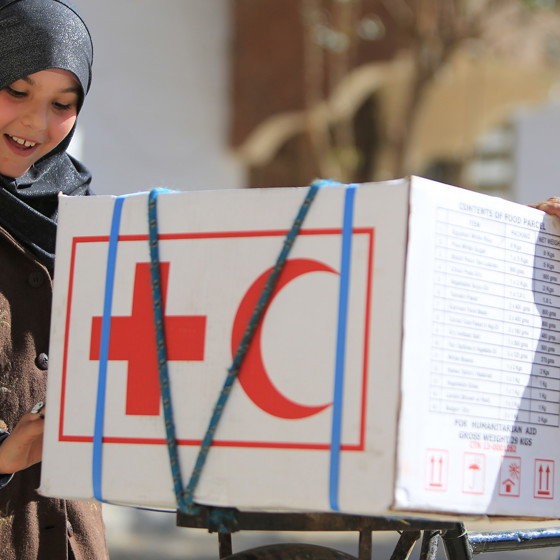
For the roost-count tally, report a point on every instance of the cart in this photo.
(457, 542)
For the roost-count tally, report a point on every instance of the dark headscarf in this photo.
(38, 35)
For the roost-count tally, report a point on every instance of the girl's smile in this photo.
(20, 146)
(36, 113)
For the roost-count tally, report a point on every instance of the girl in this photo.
(45, 73)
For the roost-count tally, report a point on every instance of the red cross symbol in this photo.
(132, 339)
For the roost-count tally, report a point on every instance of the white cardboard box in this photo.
(451, 379)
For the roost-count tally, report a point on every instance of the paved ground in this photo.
(140, 535)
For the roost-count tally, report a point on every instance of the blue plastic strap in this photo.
(104, 350)
(345, 265)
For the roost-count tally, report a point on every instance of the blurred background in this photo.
(214, 94)
(197, 94)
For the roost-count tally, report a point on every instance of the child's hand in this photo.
(550, 206)
(24, 446)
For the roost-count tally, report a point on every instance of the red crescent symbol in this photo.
(253, 375)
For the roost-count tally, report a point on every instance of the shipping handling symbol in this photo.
(510, 477)
(437, 469)
(544, 475)
(132, 340)
(474, 468)
(474, 473)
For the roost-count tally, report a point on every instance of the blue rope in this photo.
(252, 326)
(162, 350)
(221, 518)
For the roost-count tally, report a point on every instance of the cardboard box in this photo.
(451, 377)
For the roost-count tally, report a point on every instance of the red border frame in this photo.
(369, 232)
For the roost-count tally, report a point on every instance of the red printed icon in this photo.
(473, 473)
(133, 340)
(437, 464)
(510, 477)
(253, 376)
(544, 479)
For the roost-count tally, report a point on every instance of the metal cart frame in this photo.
(458, 543)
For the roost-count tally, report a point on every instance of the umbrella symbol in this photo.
(474, 468)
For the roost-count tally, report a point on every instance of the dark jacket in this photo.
(33, 527)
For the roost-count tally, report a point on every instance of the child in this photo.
(45, 73)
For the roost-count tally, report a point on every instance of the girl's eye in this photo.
(15, 92)
(62, 106)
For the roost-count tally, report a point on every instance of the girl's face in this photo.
(36, 114)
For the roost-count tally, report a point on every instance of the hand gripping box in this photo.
(407, 363)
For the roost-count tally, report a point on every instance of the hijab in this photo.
(37, 35)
